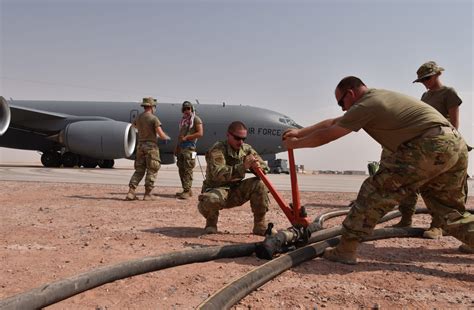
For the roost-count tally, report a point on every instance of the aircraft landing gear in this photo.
(106, 163)
(70, 160)
(89, 162)
(54, 159)
(51, 159)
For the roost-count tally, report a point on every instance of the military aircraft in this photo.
(90, 133)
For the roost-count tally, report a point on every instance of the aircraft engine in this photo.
(4, 116)
(99, 139)
(167, 158)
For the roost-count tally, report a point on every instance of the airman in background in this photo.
(147, 158)
(190, 130)
(427, 154)
(225, 187)
(446, 101)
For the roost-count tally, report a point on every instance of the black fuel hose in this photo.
(319, 220)
(51, 293)
(233, 292)
(275, 243)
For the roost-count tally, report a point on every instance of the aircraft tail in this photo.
(5, 116)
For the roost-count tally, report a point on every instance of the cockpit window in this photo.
(288, 121)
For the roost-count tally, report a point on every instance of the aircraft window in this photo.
(288, 121)
(293, 123)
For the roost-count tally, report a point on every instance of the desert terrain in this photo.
(51, 231)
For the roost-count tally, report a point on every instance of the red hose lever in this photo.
(293, 214)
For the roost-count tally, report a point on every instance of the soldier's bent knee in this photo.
(260, 187)
(209, 198)
(207, 209)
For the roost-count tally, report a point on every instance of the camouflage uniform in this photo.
(225, 186)
(434, 161)
(442, 100)
(186, 153)
(147, 158)
(147, 161)
(441, 184)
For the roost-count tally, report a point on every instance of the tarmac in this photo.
(168, 177)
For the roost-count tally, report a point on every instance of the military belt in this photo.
(437, 131)
(187, 145)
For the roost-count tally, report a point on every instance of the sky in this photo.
(286, 56)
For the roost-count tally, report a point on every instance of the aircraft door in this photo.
(133, 115)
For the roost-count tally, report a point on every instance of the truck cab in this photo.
(278, 166)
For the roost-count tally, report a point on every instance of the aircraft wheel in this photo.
(51, 159)
(70, 160)
(89, 163)
(107, 163)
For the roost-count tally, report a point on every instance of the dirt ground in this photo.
(51, 231)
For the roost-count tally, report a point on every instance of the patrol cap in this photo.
(187, 104)
(149, 102)
(427, 69)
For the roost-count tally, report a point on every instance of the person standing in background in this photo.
(190, 130)
(446, 101)
(147, 158)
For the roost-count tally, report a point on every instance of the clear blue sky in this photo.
(287, 56)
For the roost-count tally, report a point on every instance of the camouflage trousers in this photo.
(147, 161)
(186, 164)
(214, 199)
(407, 206)
(436, 167)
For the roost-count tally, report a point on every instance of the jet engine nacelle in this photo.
(167, 158)
(5, 116)
(100, 139)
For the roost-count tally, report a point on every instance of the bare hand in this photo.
(250, 162)
(290, 133)
(290, 143)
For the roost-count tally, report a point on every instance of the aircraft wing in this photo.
(43, 121)
(24, 126)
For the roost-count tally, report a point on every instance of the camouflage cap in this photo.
(149, 102)
(427, 69)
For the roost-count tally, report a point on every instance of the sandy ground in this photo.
(51, 231)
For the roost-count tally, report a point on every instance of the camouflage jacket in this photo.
(225, 166)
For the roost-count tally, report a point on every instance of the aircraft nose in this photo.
(5, 116)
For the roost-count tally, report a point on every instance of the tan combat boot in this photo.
(433, 233)
(461, 226)
(185, 195)
(211, 225)
(464, 248)
(147, 196)
(179, 193)
(260, 225)
(345, 252)
(131, 194)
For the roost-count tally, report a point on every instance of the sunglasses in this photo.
(340, 102)
(186, 108)
(426, 78)
(237, 137)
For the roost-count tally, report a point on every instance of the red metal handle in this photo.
(281, 202)
(293, 215)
